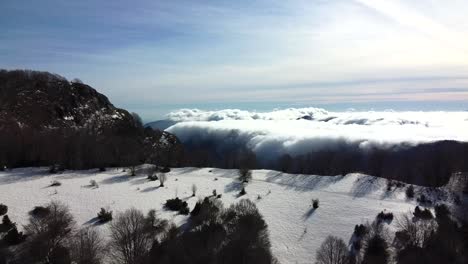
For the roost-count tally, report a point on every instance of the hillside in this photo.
(296, 230)
(47, 120)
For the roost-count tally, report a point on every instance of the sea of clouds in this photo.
(302, 130)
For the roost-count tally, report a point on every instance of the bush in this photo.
(165, 169)
(3, 209)
(39, 211)
(422, 199)
(425, 214)
(410, 192)
(55, 183)
(376, 251)
(13, 237)
(360, 231)
(102, 169)
(177, 204)
(315, 203)
(384, 216)
(242, 192)
(104, 216)
(441, 211)
(152, 177)
(6, 224)
(93, 184)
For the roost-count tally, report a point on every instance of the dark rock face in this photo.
(45, 119)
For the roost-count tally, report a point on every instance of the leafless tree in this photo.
(87, 247)
(332, 251)
(194, 189)
(49, 231)
(131, 237)
(245, 175)
(162, 179)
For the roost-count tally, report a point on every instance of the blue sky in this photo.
(151, 56)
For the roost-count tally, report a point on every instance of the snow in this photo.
(296, 231)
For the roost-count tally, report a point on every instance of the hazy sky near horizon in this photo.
(152, 55)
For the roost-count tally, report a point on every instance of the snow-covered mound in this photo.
(296, 230)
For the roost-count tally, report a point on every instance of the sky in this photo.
(153, 56)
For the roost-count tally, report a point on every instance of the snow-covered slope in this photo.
(296, 231)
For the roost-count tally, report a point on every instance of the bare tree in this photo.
(194, 189)
(332, 251)
(162, 179)
(49, 231)
(416, 233)
(131, 237)
(245, 175)
(87, 247)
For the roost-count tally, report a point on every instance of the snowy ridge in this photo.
(296, 230)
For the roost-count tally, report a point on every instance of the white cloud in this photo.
(273, 133)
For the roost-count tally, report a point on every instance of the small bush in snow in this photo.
(425, 214)
(384, 216)
(242, 192)
(152, 177)
(3, 209)
(177, 204)
(219, 196)
(410, 192)
(104, 216)
(214, 192)
(315, 203)
(360, 231)
(39, 211)
(102, 169)
(55, 183)
(165, 169)
(194, 189)
(423, 200)
(93, 184)
(13, 237)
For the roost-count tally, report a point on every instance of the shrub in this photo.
(3, 209)
(410, 192)
(55, 183)
(441, 211)
(384, 216)
(422, 199)
(6, 224)
(104, 216)
(315, 203)
(219, 196)
(376, 251)
(360, 231)
(332, 251)
(425, 214)
(177, 204)
(102, 169)
(152, 177)
(242, 192)
(93, 184)
(165, 169)
(13, 237)
(39, 211)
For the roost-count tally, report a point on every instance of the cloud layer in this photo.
(301, 130)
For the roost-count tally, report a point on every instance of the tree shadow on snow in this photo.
(302, 182)
(93, 221)
(233, 186)
(116, 179)
(364, 186)
(150, 189)
(308, 214)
